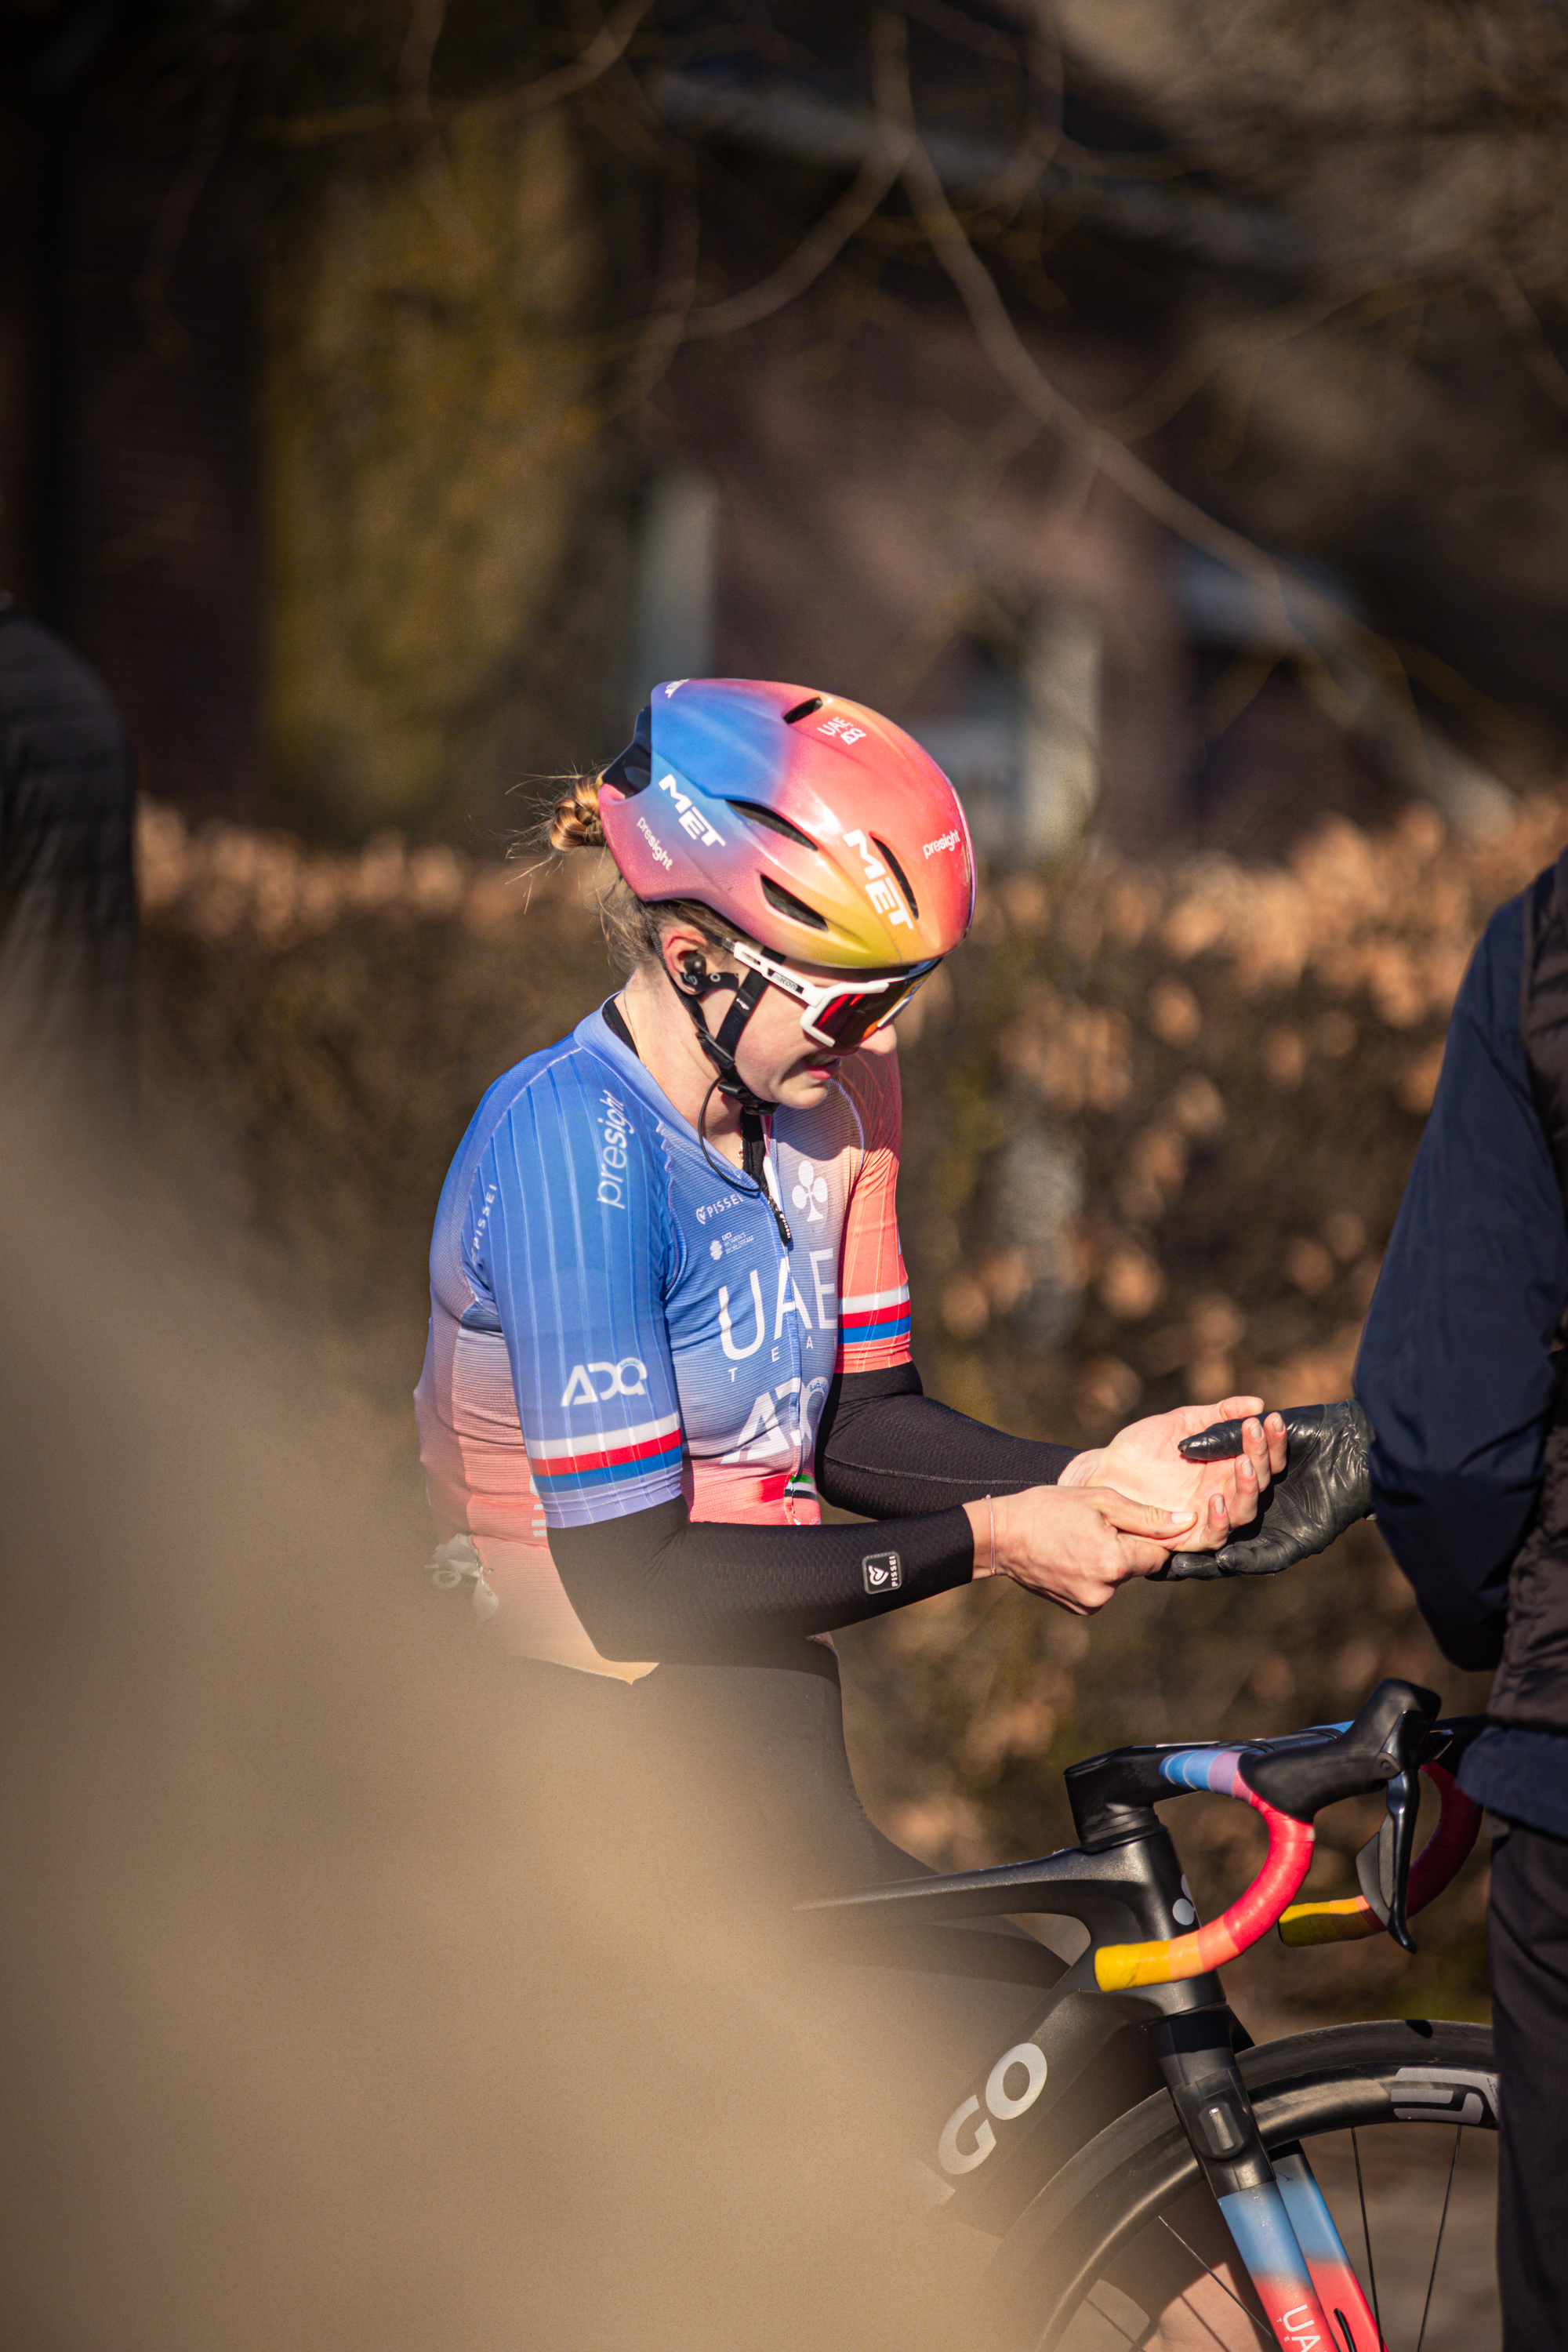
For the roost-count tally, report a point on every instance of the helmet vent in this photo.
(783, 902)
(899, 877)
(803, 710)
(774, 822)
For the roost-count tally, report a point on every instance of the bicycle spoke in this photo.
(1256, 2317)
(1366, 2238)
(1442, 2225)
(1100, 2313)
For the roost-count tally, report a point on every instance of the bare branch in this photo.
(426, 25)
(184, 193)
(665, 327)
(816, 251)
(607, 48)
(1252, 341)
(1520, 314)
(1377, 691)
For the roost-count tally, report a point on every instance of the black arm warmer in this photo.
(656, 1584)
(884, 1446)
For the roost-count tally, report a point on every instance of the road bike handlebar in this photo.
(1289, 1782)
(1351, 1916)
(1117, 1966)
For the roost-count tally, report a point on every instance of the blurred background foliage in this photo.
(1160, 406)
(1159, 1116)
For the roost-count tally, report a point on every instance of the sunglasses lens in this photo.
(849, 1019)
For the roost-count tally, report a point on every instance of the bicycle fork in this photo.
(1278, 2222)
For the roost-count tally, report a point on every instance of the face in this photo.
(775, 1058)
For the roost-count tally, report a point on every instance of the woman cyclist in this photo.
(669, 1312)
(669, 1316)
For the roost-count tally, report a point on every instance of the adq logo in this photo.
(598, 1384)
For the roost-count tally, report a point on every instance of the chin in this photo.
(804, 1088)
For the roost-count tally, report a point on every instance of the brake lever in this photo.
(1388, 1737)
(1383, 1865)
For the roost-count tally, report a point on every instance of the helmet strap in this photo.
(721, 1049)
(720, 1052)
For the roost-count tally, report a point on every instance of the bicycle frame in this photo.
(1150, 1964)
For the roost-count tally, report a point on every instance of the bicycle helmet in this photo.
(814, 830)
(804, 822)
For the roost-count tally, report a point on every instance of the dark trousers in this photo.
(1528, 1931)
(734, 1786)
(735, 1780)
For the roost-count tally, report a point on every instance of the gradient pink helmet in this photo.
(805, 822)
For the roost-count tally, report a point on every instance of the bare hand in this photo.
(1142, 1459)
(1075, 1547)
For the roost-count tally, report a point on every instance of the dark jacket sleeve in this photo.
(1455, 1366)
(67, 901)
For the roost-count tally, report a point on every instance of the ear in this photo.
(688, 958)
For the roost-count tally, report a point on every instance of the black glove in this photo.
(1324, 1487)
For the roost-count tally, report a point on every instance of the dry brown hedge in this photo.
(1158, 1122)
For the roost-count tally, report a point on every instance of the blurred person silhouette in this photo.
(67, 896)
(1462, 1371)
(326, 2028)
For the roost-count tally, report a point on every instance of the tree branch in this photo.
(607, 48)
(1378, 689)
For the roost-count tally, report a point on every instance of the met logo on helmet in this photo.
(879, 888)
(691, 819)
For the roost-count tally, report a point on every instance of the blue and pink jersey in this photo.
(615, 1320)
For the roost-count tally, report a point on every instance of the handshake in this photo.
(1323, 1488)
(1192, 1493)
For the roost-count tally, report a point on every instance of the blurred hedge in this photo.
(1158, 1121)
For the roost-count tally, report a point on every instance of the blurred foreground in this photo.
(343, 2013)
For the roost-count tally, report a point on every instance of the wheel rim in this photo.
(1426, 2187)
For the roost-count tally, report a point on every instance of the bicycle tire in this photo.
(1334, 2079)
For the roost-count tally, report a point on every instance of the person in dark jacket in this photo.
(1461, 1374)
(67, 897)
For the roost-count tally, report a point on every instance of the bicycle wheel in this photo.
(1398, 2120)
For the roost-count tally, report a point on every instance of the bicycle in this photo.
(1085, 2224)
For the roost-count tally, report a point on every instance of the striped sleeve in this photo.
(572, 1466)
(874, 1288)
(565, 1243)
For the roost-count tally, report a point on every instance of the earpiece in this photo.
(694, 971)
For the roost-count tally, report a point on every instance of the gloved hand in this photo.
(1324, 1487)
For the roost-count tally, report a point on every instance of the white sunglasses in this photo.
(838, 1012)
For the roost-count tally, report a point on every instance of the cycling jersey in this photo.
(617, 1322)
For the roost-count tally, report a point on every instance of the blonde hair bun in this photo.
(574, 822)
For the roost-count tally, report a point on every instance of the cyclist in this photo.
(671, 1315)
(669, 1308)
